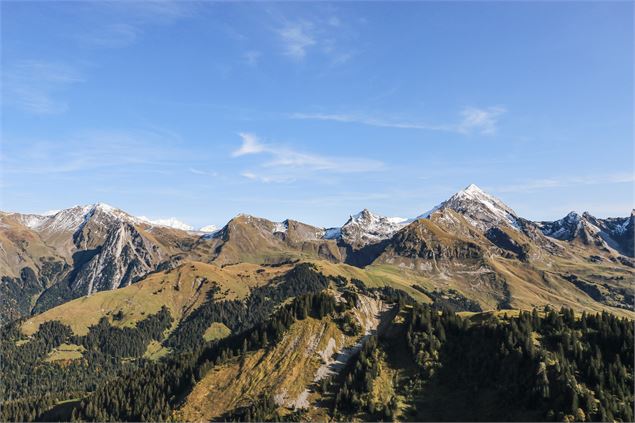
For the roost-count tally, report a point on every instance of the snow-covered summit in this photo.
(563, 229)
(72, 218)
(481, 209)
(170, 222)
(366, 228)
(615, 233)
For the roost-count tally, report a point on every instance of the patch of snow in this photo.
(280, 227)
(622, 227)
(33, 221)
(68, 219)
(427, 214)
(564, 228)
(209, 229)
(171, 222)
(332, 233)
(106, 208)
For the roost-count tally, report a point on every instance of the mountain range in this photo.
(449, 316)
(472, 243)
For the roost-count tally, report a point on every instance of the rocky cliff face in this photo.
(124, 257)
(423, 239)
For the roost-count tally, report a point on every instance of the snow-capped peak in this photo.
(72, 218)
(170, 222)
(479, 208)
(107, 208)
(473, 192)
(473, 189)
(75, 217)
(564, 229)
(366, 227)
(572, 217)
(367, 215)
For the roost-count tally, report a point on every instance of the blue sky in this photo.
(316, 110)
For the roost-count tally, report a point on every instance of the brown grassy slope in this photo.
(20, 247)
(284, 371)
(182, 290)
(309, 351)
(252, 239)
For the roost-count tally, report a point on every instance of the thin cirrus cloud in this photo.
(324, 35)
(91, 150)
(284, 164)
(473, 120)
(484, 121)
(36, 86)
(114, 35)
(120, 24)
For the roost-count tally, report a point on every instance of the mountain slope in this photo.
(257, 240)
(289, 371)
(182, 289)
(76, 252)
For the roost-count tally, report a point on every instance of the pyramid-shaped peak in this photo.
(480, 208)
(473, 188)
(472, 191)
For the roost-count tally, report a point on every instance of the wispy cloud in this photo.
(484, 121)
(278, 179)
(321, 34)
(36, 86)
(296, 38)
(252, 57)
(567, 181)
(203, 172)
(149, 11)
(114, 35)
(284, 164)
(117, 24)
(92, 150)
(369, 120)
(473, 120)
(251, 145)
